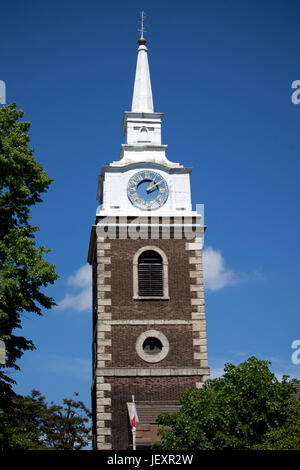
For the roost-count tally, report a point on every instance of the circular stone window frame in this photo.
(155, 357)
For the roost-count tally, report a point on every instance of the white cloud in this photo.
(82, 277)
(217, 275)
(79, 301)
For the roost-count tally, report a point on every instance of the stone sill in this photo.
(137, 297)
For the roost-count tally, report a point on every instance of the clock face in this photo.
(147, 190)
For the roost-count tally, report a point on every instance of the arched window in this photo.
(150, 274)
(143, 137)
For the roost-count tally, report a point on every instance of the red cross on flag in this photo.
(133, 416)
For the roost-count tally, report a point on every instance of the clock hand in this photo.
(152, 185)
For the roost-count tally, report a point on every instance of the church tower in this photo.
(149, 328)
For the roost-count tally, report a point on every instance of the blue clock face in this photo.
(147, 190)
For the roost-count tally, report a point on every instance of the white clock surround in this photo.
(113, 191)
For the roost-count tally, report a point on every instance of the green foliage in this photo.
(235, 411)
(32, 424)
(286, 436)
(20, 423)
(23, 270)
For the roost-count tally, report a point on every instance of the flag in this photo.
(133, 416)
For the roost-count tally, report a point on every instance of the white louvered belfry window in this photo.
(150, 274)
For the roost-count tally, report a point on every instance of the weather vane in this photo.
(141, 20)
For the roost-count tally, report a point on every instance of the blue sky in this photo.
(222, 74)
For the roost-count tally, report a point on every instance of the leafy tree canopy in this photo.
(244, 408)
(23, 271)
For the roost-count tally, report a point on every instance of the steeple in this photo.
(142, 101)
(141, 125)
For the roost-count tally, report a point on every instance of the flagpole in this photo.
(133, 427)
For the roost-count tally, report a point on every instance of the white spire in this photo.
(141, 125)
(142, 101)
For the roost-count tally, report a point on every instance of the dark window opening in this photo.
(150, 274)
(152, 345)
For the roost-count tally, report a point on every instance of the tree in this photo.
(235, 411)
(65, 427)
(23, 271)
(32, 424)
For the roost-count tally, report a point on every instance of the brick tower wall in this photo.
(119, 372)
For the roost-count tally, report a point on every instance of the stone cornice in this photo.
(157, 166)
(150, 371)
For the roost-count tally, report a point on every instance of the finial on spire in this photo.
(142, 40)
(142, 101)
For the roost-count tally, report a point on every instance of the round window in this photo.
(152, 346)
